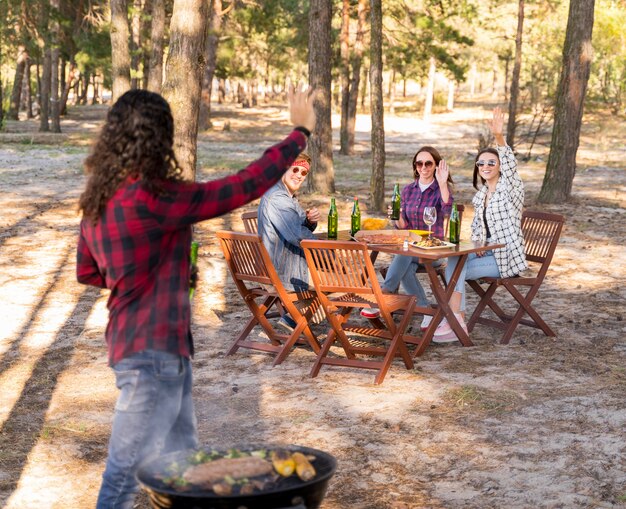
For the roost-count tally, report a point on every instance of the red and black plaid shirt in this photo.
(140, 249)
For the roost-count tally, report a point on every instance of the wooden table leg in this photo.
(442, 296)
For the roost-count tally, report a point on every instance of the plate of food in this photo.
(431, 243)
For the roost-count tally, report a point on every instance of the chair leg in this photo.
(525, 307)
(397, 345)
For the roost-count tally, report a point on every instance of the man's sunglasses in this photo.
(425, 164)
(482, 163)
(302, 171)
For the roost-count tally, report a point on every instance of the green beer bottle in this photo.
(396, 203)
(454, 226)
(193, 261)
(355, 218)
(333, 219)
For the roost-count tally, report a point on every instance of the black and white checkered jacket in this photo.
(504, 216)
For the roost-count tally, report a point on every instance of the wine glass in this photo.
(430, 216)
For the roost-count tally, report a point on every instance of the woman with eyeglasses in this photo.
(431, 188)
(497, 218)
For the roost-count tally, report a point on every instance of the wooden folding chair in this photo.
(263, 292)
(345, 279)
(541, 235)
(250, 221)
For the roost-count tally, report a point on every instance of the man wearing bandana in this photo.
(283, 224)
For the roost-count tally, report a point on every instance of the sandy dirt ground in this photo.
(535, 424)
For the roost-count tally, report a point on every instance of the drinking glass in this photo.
(430, 216)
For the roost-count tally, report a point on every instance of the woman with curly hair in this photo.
(135, 240)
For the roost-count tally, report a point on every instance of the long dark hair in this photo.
(476, 173)
(136, 141)
(436, 156)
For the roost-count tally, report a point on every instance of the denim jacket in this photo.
(282, 225)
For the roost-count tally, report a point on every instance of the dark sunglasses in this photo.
(482, 163)
(302, 171)
(425, 164)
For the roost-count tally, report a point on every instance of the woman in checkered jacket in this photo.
(497, 218)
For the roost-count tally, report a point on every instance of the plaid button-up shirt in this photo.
(414, 202)
(140, 249)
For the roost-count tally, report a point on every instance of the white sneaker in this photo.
(445, 334)
(426, 322)
(370, 312)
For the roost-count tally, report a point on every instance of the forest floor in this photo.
(538, 423)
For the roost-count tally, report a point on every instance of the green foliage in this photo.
(95, 53)
(607, 83)
(263, 38)
(415, 31)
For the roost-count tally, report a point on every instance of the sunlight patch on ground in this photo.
(44, 481)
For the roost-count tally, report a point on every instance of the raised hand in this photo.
(442, 172)
(497, 126)
(301, 111)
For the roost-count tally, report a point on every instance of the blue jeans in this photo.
(475, 267)
(402, 270)
(154, 414)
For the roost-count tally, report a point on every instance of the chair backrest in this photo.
(446, 220)
(541, 235)
(250, 221)
(340, 266)
(248, 260)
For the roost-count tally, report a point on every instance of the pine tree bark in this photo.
(55, 113)
(320, 57)
(344, 40)
(157, 33)
(16, 94)
(377, 181)
(212, 42)
(357, 59)
(120, 53)
(183, 78)
(135, 43)
(517, 66)
(568, 113)
(44, 93)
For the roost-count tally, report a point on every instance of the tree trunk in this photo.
(344, 39)
(357, 59)
(44, 93)
(55, 113)
(392, 92)
(320, 57)
(577, 56)
(16, 94)
(27, 91)
(71, 78)
(510, 127)
(135, 44)
(377, 181)
(215, 27)
(157, 33)
(55, 53)
(472, 78)
(120, 54)
(365, 81)
(430, 89)
(451, 95)
(183, 78)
